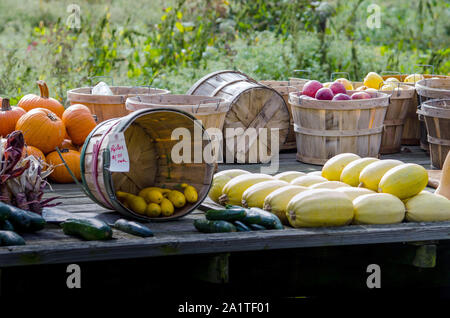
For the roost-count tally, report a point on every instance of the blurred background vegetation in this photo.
(172, 43)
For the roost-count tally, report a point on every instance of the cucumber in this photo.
(226, 215)
(26, 221)
(6, 226)
(257, 227)
(251, 217)
(134, 228)
(10, 238)
(268, 220)
(217, 226)
(5, 211)
(241, 227)
(88, 229)
(230, 206)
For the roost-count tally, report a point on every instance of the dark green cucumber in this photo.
(6, 226)
(10, 238)
(268, 220)
(134, 228)
(5, 211)
(26, 221)
(235, 214)
(252, 217)
(257, 227)
(241, 227)
(88, 229)
(217, 226)
(230, 206)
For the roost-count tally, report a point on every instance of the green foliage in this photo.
(172, 43)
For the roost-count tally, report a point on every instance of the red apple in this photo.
(361, 95)
(338, 88)
(324, 94)
(311, 87)
(341, 96)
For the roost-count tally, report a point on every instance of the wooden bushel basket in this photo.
(327, 128)
(436, 113)
(109, 106)
(428, 89)
(148, 138)
(211, 111)
(284, 88)
(397, 111)
(253, 106)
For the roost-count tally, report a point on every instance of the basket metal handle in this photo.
(204, 101)
(390, 73)
(336, 73)
(301, 72)
(145, 86)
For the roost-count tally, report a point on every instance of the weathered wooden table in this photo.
(209, 254)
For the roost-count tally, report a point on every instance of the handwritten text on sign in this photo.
(119, 160)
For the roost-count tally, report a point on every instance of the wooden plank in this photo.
(192, 242)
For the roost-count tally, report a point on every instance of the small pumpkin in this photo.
(61, 174)
(32, 101)
(9, 117)
(67, 144)
(79, 123)
(33, 151)
(42, 129)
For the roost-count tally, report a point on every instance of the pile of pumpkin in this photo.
(46, 125)
(349, 189)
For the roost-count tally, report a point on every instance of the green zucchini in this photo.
(241, 227)
(257, 227)
(235, 214)
(252, 217)
(217, 226)
(268, 220)
(88, 229)
(6, 226)
(5, 211)
(26, 221)
(10, 238)
(134, 228)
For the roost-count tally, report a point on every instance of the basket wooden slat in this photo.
(148, 139)
(327, 128)
(109, 106)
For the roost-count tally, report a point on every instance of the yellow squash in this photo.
(427, 207)
(350, 174)
(353, 193)
(220, 179)
(190, 193)
(319, 207)
(371, 175)
(308, 180)
(333, 167)
(235, 188)
(277, 201)
(288, 176)
(153, 210)
(177, 198)
(167, 208)
(404, 181)
(329, 185)
(315, 173)
(254, 196)
(378, 208)
(136, 203)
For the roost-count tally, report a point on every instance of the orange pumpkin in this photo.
(33, 151)
(61, 174)
(42, 129)
(79, 123)
(67, 144)
(9, 117)
(32, 101)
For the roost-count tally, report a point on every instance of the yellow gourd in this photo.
(333, 167)
(404, 181)
(350, 174)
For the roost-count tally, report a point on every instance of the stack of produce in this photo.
(336, 91)
(157, 202)
(348, 190)
(47, 125)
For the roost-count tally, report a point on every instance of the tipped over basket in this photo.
(109, 106)
(148, 139)
(327, 128)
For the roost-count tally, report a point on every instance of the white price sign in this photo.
(118, 153)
